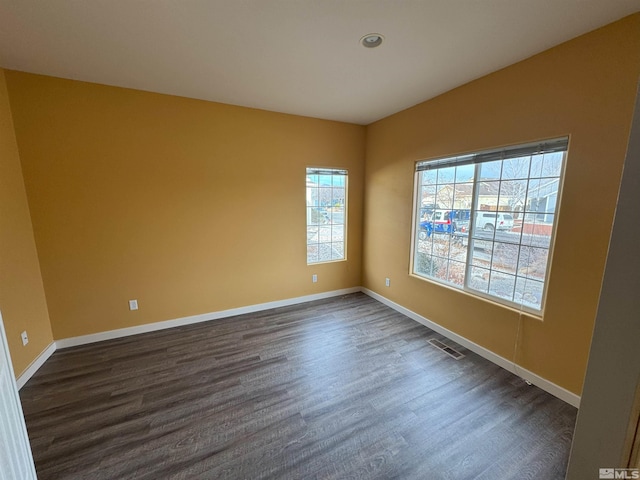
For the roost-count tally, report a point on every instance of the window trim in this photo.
(315, 170)
(560, 144)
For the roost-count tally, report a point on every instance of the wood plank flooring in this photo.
(338, 388)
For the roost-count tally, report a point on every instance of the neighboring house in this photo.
(544, 202)
(459, 196)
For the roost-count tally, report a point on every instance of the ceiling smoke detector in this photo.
(371, 40)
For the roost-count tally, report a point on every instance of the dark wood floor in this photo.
(338, 388)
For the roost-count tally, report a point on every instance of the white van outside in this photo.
(493, 221)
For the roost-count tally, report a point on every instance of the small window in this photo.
(326, 215)
(485, 222)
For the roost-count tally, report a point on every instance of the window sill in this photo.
(528, 313)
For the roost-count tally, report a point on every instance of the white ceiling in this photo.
(294, 56)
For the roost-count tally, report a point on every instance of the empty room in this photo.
(297, 239)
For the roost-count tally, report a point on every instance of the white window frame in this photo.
(473, 235)
(326, 213)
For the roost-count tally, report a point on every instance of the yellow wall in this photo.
(22, 299)
(585, 88)
(188, 206)
(192, 207)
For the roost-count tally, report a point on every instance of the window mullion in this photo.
(472, 226)
(520, 245)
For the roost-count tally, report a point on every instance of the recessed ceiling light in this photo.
(371, 40)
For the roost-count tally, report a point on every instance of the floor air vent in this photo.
(446, 349)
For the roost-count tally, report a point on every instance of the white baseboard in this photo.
(556, 390)
(550, 387)
(178, 322)
(35, 365)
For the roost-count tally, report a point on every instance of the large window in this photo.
(485, 222)
(326, 215)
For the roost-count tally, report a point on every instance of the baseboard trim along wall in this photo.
(205, 317)
(35, 365)
(152, 327)
(550, 387)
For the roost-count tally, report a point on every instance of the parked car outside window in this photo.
(494, 221)
(445, 221)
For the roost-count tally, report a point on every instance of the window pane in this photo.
(458, 249)
(446, 175)
(465, 173)
(312, 253)
(337, 251)
(337, 233)
(482, 252)
(505, 257)
(324, 234)
(530, 238)
(479, 279)
(337, 215)
(490, 170)
(444, 197)
(463, 196)
(543, 195)
(507, 230)
(316, 216)
(428, 199)
(456, 273)
(502, 285)
(423, 265)
(441, 245)
(425, 235)
(324, 180)
(324, 252)
(485, 224)
(312, 235)
(312, 195)
(338, 196)
(325, 196)
(439, 268)
(533, 262)
(429, 177)
(536, 166)
(537, 230)
(516, 168)
(528, 292)
(488, 196)
(513, 194)
(552, 164)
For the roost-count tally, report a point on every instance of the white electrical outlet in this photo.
(387, 282)
(24, 337)
(133, 304)
(314, 278)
